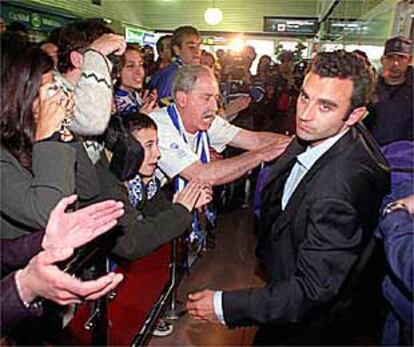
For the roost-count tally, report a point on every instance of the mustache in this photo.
(208, 115)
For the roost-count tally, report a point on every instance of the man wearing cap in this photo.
(391, 113)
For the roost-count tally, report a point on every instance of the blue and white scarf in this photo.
(127, 102)
(202, 143)
(137, 191)
(202, 151)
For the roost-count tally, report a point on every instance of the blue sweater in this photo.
(397, 230)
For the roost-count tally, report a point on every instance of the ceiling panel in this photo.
(241, 15)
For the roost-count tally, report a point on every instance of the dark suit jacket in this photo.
(310, 250)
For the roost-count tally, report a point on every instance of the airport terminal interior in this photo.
(207, 172)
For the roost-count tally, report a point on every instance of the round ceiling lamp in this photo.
(213, 16)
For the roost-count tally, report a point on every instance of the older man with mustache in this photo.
(189, 127)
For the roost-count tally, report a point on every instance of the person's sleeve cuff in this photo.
(218, 306)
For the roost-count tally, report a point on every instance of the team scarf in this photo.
(202, 143)
(137, 192)
(203, 153)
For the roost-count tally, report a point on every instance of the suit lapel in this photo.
(273, 188)
(284, 163)
(301, 190)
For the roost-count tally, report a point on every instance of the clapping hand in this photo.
(74, 229)
(41, 278)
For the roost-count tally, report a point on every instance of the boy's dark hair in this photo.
(347, 65)
(77, 36)
(137, 121)
(127, 153)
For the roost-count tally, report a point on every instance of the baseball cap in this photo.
(398, 45)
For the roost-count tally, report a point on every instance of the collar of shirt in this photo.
(312, 154)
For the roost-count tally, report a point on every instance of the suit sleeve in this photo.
(325, 258)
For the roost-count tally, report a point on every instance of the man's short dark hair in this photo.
(77, 36)
(17, 27)
(182, 32)
(347, 65)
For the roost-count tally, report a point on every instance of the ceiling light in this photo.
(213, 16)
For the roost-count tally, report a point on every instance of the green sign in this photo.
(134, 35)
(32, 18)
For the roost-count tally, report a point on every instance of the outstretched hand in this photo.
(200, 305)
(41, 278)
(237, 105)
(206, 195)
(74, 229)
(189, 195)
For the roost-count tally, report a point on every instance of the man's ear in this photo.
(176, 50)
(356, 115)
(181, 98)
(76, 59)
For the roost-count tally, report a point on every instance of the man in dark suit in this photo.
(319, 207)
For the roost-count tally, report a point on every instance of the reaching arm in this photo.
(227, 170)
(93, 96)
(250, 140)
(93, 92)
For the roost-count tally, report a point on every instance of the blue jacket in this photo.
(162, 81)
(397, 230)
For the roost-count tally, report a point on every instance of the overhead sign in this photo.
(338, 26)
(134, 35)
(291, 26)
(33, 18)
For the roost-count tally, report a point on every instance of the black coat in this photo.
(312, 248)
(139, 236)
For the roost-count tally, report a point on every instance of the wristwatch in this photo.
(393, 206)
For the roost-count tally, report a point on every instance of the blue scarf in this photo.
(127, 102)
(203, 152)
(137, 192)
(202, 143)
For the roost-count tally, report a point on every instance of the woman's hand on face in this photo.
(51, 112)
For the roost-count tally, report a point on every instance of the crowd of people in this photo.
(140, 143)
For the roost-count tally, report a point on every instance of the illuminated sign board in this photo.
(346, 27)
(142, 37)
(291, 26)
(34, 18)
